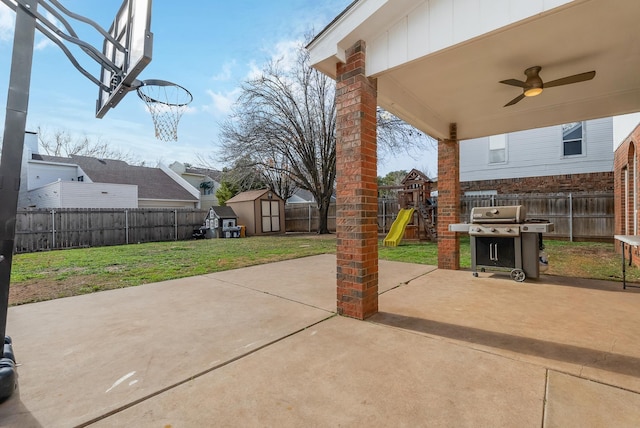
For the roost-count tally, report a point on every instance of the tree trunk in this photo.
(323, 218)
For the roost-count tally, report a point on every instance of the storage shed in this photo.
(260, 211)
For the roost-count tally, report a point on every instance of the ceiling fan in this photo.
(534, 85)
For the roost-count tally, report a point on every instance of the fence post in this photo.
(126, 225)
(175, 216)
(571, 217)
(53, 229)
(384, 216)
(309, 206)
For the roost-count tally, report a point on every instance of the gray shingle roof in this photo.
(224, 212)
(211, 173)
(152, 183)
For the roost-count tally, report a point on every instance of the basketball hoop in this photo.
(166, 102)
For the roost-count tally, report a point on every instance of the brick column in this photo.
(357, 188)
(448, 203)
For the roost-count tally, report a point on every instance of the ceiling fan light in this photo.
(532, 92)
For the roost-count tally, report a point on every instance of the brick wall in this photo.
(448, 203)
(356, 188)
(592, 182)
(623, 167)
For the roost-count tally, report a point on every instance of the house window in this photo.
(270, 216)
(572, 138)
(498, 148)
(207, 187)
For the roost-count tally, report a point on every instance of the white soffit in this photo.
(440, 61)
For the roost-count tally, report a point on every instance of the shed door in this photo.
(270, 216)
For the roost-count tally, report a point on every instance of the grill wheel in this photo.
(518, 275)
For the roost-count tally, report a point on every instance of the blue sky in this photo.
(209, 47)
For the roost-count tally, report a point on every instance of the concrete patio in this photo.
(262, 346)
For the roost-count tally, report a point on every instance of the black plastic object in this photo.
(7, 378)
(8, 352)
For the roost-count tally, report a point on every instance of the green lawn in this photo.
(55, 274)
(596, 260)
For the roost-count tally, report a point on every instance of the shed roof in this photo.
(251, 195)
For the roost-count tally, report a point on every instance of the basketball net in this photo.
(166, 102)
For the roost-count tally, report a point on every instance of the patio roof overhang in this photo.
(440, 61)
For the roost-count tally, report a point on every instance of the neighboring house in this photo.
(576, 157)
(86, 182)
(260, 211)
(206, 181)
(301, 196)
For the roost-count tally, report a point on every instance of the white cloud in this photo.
(42, 42)
(221, 102)
(226, 73)
(285, 52)
(254, 72)
(7, 26)
(7, 22)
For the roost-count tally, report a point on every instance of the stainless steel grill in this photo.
(502, 239)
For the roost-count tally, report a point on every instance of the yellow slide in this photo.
(397, 228)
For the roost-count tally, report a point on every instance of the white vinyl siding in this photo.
(41, 173)
(538, 152)
(73, 194)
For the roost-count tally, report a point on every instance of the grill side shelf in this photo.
(459, 227)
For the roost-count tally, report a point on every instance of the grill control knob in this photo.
(493, 229)
(508, 229)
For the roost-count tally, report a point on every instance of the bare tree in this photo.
(244, 174)
(283, 125)
(61, 143)
(284, 122)
(396, 136)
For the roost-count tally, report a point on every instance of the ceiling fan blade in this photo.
(571, 79)
(515, 100)
(514, 82)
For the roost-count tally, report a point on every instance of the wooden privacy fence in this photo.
(576, 216)
(50, 229)
(303, 217)
(585, 216)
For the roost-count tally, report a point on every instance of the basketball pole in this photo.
(11, 165)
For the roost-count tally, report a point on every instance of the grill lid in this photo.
(505, 214)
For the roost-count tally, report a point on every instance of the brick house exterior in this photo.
(626, 189)
(590, 182)
(570, 158)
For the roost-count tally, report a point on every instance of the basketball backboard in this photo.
(132, 29)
